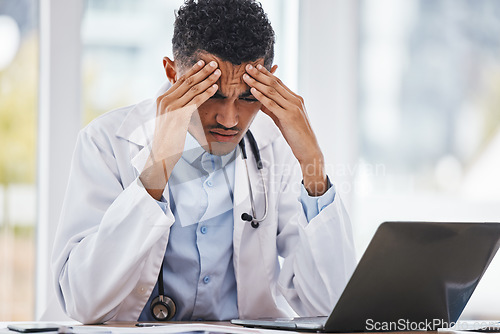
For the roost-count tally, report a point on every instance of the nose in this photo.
(227, 116)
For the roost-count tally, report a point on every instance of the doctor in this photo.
(159, 203)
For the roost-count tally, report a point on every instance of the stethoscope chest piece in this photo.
(163, 308)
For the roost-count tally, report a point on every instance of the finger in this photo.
(199, 99)
(270, 104)
(265, 71)
(185, 111)
(174, 98)
(195, 68)
(171, 91)
(261, 73)
(269, 91)
(266, 78)
(196, 78)
(195, 74)
(198, 89)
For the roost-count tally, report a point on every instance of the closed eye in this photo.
(217, 95)
(249, 99)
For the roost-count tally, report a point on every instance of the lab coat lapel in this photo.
(138, 128)
(248, 257)
(246, 246)
(241, 205)
(143, 134)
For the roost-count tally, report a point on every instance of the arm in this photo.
(319, 255)
(174, 111)
(288, 112)
(112, 237)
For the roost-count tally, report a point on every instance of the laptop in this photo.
(412, 276)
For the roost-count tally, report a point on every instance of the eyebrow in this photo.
(245, 94)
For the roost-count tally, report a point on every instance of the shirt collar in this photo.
(195, 155)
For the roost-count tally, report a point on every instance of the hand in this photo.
(289, 114)
(173, 115)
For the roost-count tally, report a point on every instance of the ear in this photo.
(273, 69)
(170, 70)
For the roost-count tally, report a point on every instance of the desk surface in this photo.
(129, 327)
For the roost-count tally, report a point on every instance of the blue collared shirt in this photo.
(198, 270)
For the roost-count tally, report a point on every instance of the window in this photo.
(428, 126)
(125, 41)
(18, 122)
(429, 120)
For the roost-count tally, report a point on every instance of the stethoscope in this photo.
(162, 307)
(255, 222)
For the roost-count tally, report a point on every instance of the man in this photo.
(160, 188)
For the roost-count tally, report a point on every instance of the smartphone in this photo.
(33, 327)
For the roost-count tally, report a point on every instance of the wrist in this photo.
(314, 176)
(154, 177)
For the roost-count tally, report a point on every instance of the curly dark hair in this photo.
(234, 30)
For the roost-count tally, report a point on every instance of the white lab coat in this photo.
(112, 235)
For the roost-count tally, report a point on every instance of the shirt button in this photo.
(209, 183)
(206, 279)
(203, 230)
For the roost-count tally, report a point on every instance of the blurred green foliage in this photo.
(18, 116)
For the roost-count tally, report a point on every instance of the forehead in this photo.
(231, 80)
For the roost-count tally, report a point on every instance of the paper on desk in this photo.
(184, 328)
(468, 326)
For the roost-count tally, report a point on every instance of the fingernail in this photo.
(213, 64)
(249, 67)
(259, 66)
(217, 72)
(245, 76)
(200, 62)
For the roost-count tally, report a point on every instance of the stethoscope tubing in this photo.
(254, 221)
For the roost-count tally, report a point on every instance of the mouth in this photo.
(224, 135)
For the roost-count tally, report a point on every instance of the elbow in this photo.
(86, 315)
(83, 310)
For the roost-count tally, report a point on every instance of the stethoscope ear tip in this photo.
(246, 217)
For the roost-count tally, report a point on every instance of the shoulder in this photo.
(119, 123)
(108, 122)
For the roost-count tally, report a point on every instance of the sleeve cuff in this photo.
(313, 205)
(162, 202)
